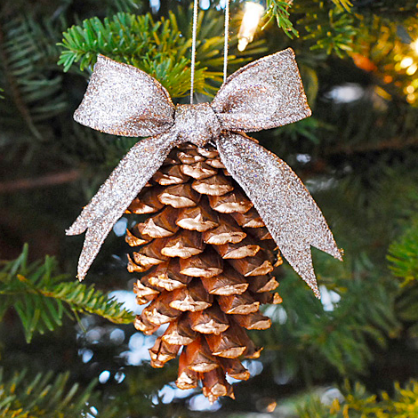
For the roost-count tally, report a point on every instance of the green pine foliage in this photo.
(279, 10)
(41, 297)
(357, 402)
(403, 262)
(134, 40)
(158, 48)
(340, 335)
(346, 4)
(403, 254)
(328, 29)
(26, 77)
(44, 395)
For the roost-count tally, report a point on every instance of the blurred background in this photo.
(68, 349)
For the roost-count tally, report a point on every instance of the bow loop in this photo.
(123, 100)
(264, 94)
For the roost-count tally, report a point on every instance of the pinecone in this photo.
(207, 260)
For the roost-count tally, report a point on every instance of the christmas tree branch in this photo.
(41, 297)
(157, 48)
(346, 4)
(46, 395)
(44, 181)
(32, 90)
(13, 88)
(403, 254)
(355, 401)
(339, 334)
(279, 10)
(391, 144)
(160, 48)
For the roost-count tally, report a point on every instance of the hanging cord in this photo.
(194, 32)
(192, 69)
(226, 40)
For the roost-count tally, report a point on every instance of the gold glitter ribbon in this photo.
(266, 93)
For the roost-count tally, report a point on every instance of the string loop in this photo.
(194, 32)
(226, 39)
(193, 65)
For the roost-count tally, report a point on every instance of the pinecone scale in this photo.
(205, 258)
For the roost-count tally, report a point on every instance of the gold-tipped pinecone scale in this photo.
(206, 262)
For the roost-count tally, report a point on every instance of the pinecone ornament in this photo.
(206, 261)
(218, 204)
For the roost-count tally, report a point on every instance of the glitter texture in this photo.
(197, 123)
(264, 94)
(267, 93)
(115, 195)
(123, 100)
(283, 202)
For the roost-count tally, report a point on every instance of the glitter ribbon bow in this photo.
(266, 93)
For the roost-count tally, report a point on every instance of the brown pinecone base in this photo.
(206, 256)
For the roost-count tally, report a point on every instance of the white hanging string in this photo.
(192, 69)
(226, 40)
(194, 32)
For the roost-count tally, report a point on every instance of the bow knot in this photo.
(196, 123)
(267, 93)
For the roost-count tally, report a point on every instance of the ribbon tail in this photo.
(283, 202)
(117, 193)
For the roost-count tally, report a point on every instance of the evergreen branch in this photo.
(44, 181)
(31, 89)
(346, 4)
(99, 152)
(391, 128)
(43, 396)
(124, 5)
(161, 49)
(13, 88)
(279, 10)
(309, 128)
(357, 402)
(340, 336)
(407, 308)
(157, 48)
(390, 144)
(335, 37)
(328, 28)
(40, 297)
(403, 254)
(403, 262)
